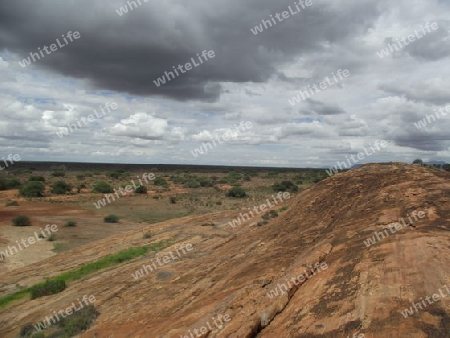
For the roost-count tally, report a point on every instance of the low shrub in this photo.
(12, 204)
(192, 184)
(147, 235)
(21, 221)
(61, 188)
(142, 189)
(32, 189)
(71, 223)
(103, 188)
(236, 192)
(36, 179)
(173, 200)
(58, 174)
(51, 238)
(79, 321)
(111, 219)
(160, 181)
(206, 183)
(47, 288)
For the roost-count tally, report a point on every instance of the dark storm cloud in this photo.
(320, 108)
(127, 53)
(433, 46)
(437, 141)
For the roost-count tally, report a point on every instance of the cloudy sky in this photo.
(252, 78)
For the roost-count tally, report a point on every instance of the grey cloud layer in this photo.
(126, 53)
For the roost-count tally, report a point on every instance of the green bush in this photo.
(285, 186)
(71, 224)
(192, 184)
(142, 189)
(61, 188)
(111, 219)
(236, 192)
(81, 177)
(12, 204)
(51, 238)
(81, 186)
(173, 199)
(26, 330)
(33, 189)
(21, 221)
(47, 288)
(206, 183)
(58, 174)
(160, 181)
(113, 174)
(13, 183)
(103, 188)
(79, 321)
(36, 179)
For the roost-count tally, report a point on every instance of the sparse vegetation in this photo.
(71, 224)
(36, 179)
(12, 204)
(47, 288)
(33, 189)
(51, 238)
(285, 186)
(103, 188)
(142, 189)
(192, 184)
(21, 221)
(87, 269)
(236, 192)
(111, 219)
(61, 188)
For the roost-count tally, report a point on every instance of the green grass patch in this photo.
(85, 270)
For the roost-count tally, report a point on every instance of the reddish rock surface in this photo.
(231, 271)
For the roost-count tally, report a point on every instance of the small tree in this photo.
(142, 189)
(236, 192)
(61, 188)
(418, 161)
(33, 189)
(103, 188)
(21, 221)
(111, 219)
(192, 184)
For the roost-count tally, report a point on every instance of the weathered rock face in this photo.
(308, 273)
